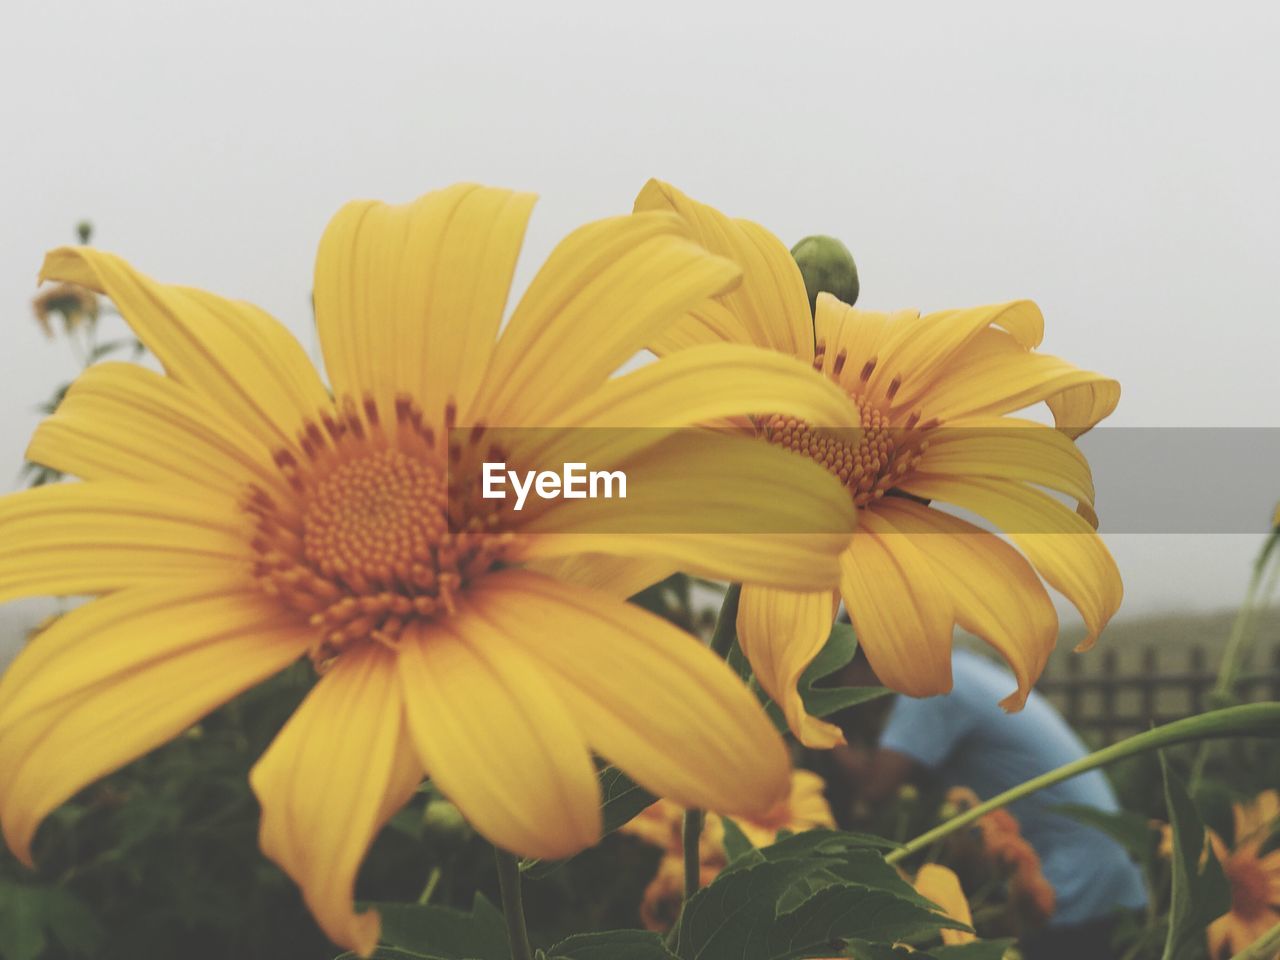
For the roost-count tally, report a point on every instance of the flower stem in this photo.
(726, 632)
(1251, 719)
(513, 905)
(1224, 689)
(1264, 948)
(433, 881)
(690, 838)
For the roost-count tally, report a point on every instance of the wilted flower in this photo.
(74, 304)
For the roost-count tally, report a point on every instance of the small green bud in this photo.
(827, 267)
(444, 826)
(84, 230)
(908, 793)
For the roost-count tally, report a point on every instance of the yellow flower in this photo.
(236, 515)
(1254, 878)
(940, 884)
(661, 825)
(931, 395)
(806, 808)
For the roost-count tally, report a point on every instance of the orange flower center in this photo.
(374, 538)
(871, 460)
(1250, 886)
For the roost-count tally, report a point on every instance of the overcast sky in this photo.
(1113, 162)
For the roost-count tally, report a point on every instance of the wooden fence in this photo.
(1111, 698)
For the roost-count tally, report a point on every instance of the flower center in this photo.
(1250, 886)
(871, 460)
(373, 537)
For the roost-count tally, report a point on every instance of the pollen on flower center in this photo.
(373, 538)
(869, 461)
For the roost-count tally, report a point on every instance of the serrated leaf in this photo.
(737, 909)
(612, 945)
(443, 933)
(1200, 893)
(621, 800)
(846, 912)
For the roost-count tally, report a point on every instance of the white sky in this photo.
(1113, 162)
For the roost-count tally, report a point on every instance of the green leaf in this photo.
(443, 933)
(848, 912)
(612, 945)
(736, 843)
(736, 909)
(1200, 894)
(841, 645)
(622, 800)
(32, 915)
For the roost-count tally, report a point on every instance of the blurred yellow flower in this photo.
(931, 396)
(237, 515)
(74, 304)
(940, 884)
(1254, 877)
(661, 825)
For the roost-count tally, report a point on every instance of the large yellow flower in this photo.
(237, 514)
(931, 394)
(1253, 875)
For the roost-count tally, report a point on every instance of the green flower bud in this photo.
(827, 267)
(84, 230)
(444, 826)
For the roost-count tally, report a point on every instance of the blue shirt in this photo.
(967, 740)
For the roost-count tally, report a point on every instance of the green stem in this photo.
(513, 905)
(1249, 719)
(1264, 948)
(433, 881)
(1224, 688)
(690, 839)
(726, 632)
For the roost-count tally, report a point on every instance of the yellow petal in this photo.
(995, 374)
(917, 348)
(940, 884)
(899, 608)
(73, 538)
(720, 506)
(1060, 544)
(332, 777)
(121, 421)
(700, 385)
(232, 353)
(647, 696)
(781, 631)
(497, 738)
(606, 290)
(619, 577)
(115, 678)
(997, 596)
(854, 338)
(1010, 449)
(409, 298)
(771, 307)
